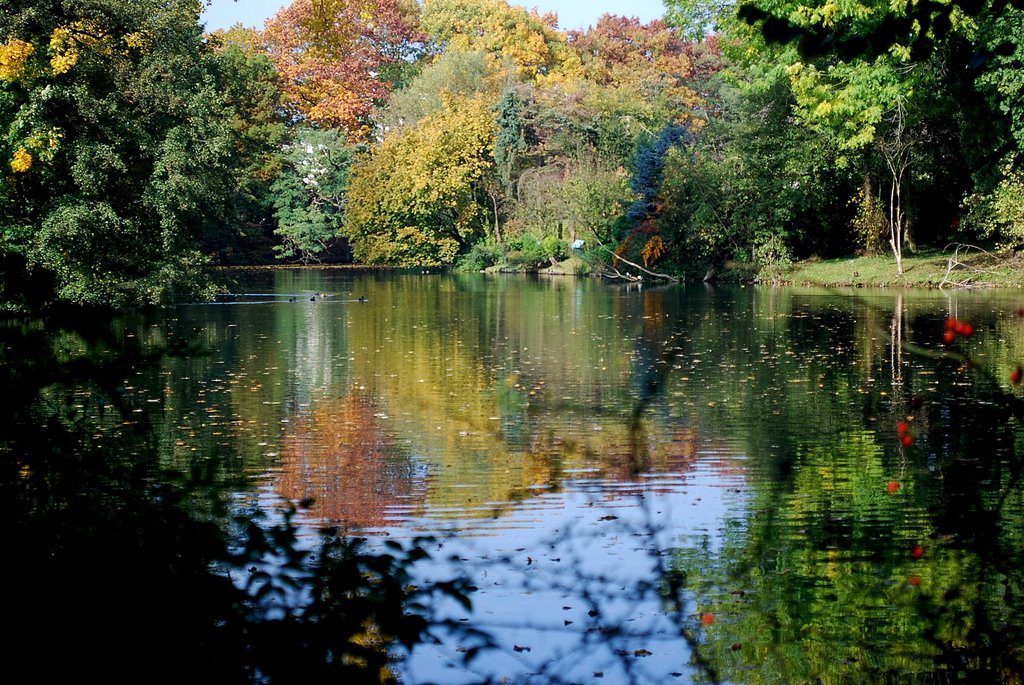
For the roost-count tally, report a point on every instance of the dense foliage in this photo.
(701, 142)
(115, 145)
(464, 130)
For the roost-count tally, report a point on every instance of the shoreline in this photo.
(957, 267)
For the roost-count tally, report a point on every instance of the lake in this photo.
(645, 484)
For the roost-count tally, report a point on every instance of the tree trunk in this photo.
(895, 148)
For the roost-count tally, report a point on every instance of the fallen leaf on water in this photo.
(642, 652)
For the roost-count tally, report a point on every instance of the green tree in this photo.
(753, 187)
(251, 89)
(309, 195)
(995, 210)
(117, 148)
(510, 144)
(454, 73)
(874, 79)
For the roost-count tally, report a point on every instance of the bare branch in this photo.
(629, 277)
(958, 261)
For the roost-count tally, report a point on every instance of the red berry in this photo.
(902, 427)
(893, 486)
(907, 440)
(1016, 375)
(915, 580)
(951, 324)
(707, 618)
(918, 552)
(948, 337)
(965, 329)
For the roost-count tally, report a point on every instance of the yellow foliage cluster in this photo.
(513, 38)
(414, 200)
(851, 99)
(67, 42)
(14, 55)
(831, 11)
(22, 161)
(136, 41)
(40, 146)
(63, 51)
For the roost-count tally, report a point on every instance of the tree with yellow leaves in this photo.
(418, 198)
(524, 44)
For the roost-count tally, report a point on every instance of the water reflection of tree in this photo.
(819, 580)
(114, 574)
(341, 457)
(864, 559)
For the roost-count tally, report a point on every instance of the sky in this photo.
(572, 14)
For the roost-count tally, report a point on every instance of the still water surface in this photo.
(834, 492)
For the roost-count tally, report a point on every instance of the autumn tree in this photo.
(333, 56)
(452, 73)
(635, 79)
(524, 44)
(651, 60)
(417, 199)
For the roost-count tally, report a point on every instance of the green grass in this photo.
(927, 268)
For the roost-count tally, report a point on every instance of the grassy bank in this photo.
(927, 268)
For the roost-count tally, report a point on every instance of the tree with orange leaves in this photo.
(652, 61)
(333, 55)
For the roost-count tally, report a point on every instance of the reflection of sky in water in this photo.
(545, 565)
